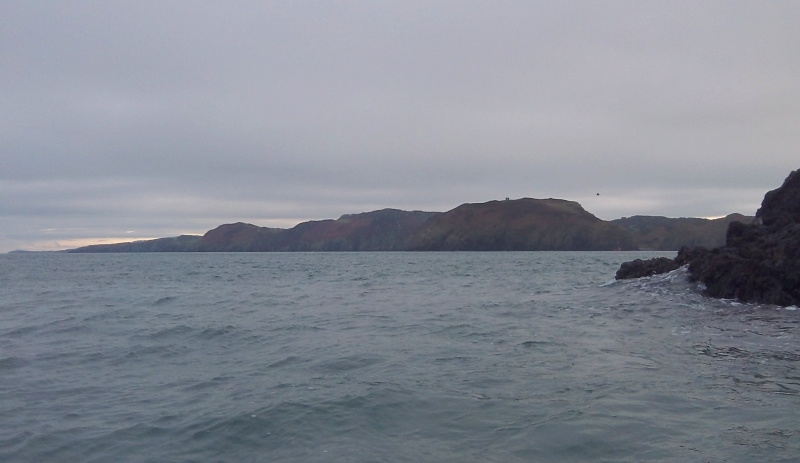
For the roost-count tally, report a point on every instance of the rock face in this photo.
(760, 262)
(644, 268)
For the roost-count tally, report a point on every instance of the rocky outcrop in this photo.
(760, 261)
(644, 268)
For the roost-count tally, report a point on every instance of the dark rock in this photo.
(781, 207)
(643, 268)
(760, 262)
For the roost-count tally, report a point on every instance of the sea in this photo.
(386, 357)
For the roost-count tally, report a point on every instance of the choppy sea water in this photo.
(386, 357)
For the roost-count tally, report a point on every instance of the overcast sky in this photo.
(123, 120)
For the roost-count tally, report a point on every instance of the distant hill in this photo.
(520, 225)
(183, 243)
(384, 230)
(669, 234)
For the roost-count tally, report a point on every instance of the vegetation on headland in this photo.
(512, 225)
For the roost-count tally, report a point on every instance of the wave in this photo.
(672, 289)
(13, 362)
(165, 300)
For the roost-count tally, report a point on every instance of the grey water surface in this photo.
(386, 357)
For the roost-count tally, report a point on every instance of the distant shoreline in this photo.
(524, 224)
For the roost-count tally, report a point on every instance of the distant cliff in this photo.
(669, 234)
(520, 225)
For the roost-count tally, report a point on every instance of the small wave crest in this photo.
(672, 286)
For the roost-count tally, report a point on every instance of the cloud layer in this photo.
(145, 119)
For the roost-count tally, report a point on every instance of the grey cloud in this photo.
(182, 115)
